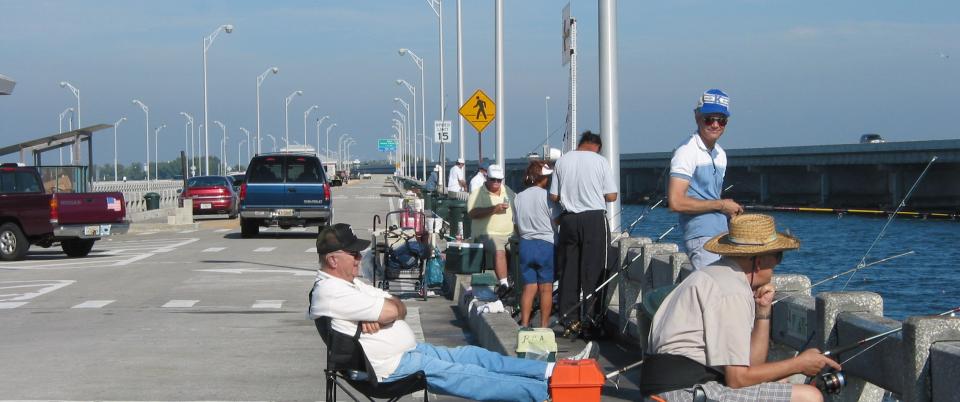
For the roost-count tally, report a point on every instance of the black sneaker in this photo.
(503, 291)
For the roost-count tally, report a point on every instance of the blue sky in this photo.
(798, 73)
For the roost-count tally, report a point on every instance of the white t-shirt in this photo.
(349, 303)
(581, 178)
(477, 181)
(453, 180)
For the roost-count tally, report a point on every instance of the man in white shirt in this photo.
(480, 178)
(390, 345)
(457, 180)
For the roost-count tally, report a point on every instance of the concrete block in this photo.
(793, 322)
(451, 284)
(649, 251)
(919, 334)
(661, 271)
(829, 306)
(677, 261)
(628, 286)
(789, 284)
(944, 371)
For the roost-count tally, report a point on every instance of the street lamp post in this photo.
(399, 139)
(406, 129)
(223, 141)
(305, 114)
(189, 149)
(156, 147)
(423, 114)
(437, 6)
(115, 124)
(327, 147)
(546, 124)
(238, 152)
(413, 92)
(339, 143)
(62, 115)
(76, 93)
(319, 122)
(146, 111)
(274, 139)
(248, 145)
(207, 41)
(408, 119)
(286, 116)
(260, 79)
(405, 140)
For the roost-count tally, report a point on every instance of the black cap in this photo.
(339, 237)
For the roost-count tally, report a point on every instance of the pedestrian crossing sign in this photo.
(479, 110)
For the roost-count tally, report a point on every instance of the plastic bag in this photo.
(434, 275)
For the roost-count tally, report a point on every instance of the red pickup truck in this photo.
(28, 215)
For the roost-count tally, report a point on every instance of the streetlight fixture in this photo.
(406, 130)
(260, 79)
(248, 145)
(76, 93)
(404, 147)
(546, 124)
(189, 126)
(423, 114)
(320, 121)
(62, 115)
(156, 147)
(274, 139)
(305, 114)
(115, 124)
(286, 115)
(238, 151)
(223, 140)
(327, 147)
(413, 92)
(339, 144)
(408, 119)
(146, 111)
(207, 41)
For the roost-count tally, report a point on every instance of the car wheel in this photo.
(249, 228)
(77, 247)
(13, 243)
(233, 214)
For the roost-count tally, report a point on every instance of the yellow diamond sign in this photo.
(479, 110)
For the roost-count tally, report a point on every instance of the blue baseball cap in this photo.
(714, 101)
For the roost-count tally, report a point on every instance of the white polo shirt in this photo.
(348, 304)
(704, 169)
(453, 179)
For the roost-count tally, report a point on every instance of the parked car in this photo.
(212, 195)
(29, 215)
(285, 189)
(871, 139)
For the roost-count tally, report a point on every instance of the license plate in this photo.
(285, 212)
(206, 205)
(91, 230)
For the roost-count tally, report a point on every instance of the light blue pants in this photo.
(699, 257)
(475, 373)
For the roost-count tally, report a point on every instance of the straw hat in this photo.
(751, 234)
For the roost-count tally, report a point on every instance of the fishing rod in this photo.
(615, 375)
(623, 267)
(883, 230)
(852, 270)
(634, 223)
(833, 381)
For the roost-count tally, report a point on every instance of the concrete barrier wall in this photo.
(133, 192)
(922, 363)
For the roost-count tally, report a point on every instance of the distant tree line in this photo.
(165, 170)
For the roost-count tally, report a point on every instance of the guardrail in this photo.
(921, 363)
(133, 192)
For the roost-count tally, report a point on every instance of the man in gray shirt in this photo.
(583, 184)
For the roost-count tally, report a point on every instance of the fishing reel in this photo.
(830, 382)
(573, 330)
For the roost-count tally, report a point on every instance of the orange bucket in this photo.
(576, 381)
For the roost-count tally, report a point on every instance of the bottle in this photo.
(459, 231)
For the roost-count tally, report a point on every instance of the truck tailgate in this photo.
(74, 208)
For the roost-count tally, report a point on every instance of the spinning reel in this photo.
(830, 382)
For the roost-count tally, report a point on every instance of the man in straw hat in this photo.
(709, 338)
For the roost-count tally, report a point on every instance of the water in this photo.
(924, 283)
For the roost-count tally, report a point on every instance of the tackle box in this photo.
(576, 381)
(464, 258)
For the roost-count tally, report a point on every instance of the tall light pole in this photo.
(414, 119)
(76, 93)
(207, 41)
(498, 78)
(327, 147)
(463, 148)
(399, 138)
(423, 114)
(156, 147)
(404, 157)
(260, 79)
(223, 140)
(546, 125)
(146, 111)
(339, 143)
(115, 124)
(609, 98)
(274, 139)
(286, 116)
(406, 131)
(305, 114)
(437, 6)
(62, 115)
(413, 92)
(238, 152)
(319, 122)
(189, 150)
(248, 145)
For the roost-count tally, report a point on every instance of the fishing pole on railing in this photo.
(835, 276)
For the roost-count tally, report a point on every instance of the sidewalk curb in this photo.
(160, 227)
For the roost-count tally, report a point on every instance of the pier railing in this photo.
(921, 363)
(133, 192)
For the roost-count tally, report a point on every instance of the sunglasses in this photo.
(496, 180)
(709, 120)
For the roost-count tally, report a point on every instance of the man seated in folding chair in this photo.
(389, 343)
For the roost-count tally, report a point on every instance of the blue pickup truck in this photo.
(284, 189)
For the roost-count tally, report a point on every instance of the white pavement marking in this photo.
(9, 305)
(310, 250)
(258, 271)
(213, 249)
(187, 231)
(44, 286)
(263, 249)
(222, 230)
(146, 233)
(134, 259)
(180, 303)
(268, 304)
(93, 304)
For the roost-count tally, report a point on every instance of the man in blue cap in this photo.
(696, 179)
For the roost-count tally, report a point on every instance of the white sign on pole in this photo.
(441, 131)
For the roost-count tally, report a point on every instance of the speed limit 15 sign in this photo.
(441, 131)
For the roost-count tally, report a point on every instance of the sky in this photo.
(798, 73)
